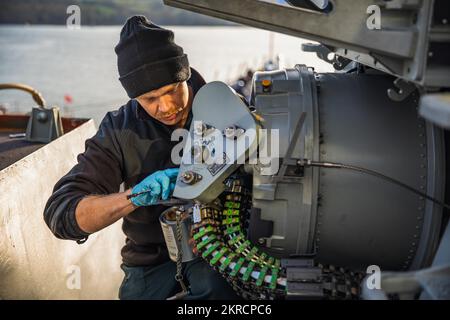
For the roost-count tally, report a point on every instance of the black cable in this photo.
(333, 165)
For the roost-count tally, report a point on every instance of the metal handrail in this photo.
(37, 96)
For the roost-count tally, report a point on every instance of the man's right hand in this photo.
(160, 184)
(96, 212)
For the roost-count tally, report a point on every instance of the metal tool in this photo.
(17, 135)
(169, 202)
(176, 226)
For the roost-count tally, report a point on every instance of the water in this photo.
(82, 63)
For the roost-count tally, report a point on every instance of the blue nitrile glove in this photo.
(161, 183)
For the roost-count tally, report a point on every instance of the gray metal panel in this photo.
(290, 202)
(364, 220)
(217, 105)
(436, 186)
(346, 24)
(400, 46)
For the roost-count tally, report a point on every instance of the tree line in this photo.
(98, 12)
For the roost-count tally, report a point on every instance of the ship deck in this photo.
(14, 149)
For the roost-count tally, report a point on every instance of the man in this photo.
(133, 145)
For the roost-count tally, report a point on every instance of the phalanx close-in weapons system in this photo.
(357, 180)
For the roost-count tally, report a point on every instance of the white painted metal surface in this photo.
(33, 263)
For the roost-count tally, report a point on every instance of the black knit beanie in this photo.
(148, 58)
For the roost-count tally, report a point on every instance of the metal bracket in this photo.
(303, 280)
(288, 160)
(44, 125)
(323, 52)
(320, 5)
(402, 91)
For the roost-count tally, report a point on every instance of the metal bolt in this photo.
(42, 117)
(233, 132)
(200, 153)
(190, 177)
(199, 128)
